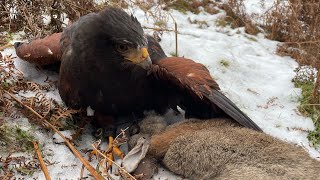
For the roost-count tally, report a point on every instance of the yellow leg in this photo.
(113, 149)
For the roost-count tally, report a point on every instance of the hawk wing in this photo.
(199, 91)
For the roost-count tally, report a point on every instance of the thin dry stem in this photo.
(42, 164)
(5, 47)
(158, 29)
(176, 32)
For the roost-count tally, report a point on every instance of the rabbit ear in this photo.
(133, 158)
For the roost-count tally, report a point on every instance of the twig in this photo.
(5, 46)
(176, 32)
(43, 166)
(95, 174)
(122, 132)
(109, 176)
(133, 178)
(158, 29)
(81, 172)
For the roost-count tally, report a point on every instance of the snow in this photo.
(256, 79)
(258, 7)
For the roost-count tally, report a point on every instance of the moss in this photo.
(173, 54)
(310, 109)
(193, 6)
(221, 22)
(5, 85)
(201, 24)
(16, 138)
(225, 63)
(5, 38)
(225, 21)
(8, 38)
(183, 6)
(160, 23)
(251, 38)
(25, 171)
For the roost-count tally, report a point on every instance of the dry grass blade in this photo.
(94, 173)
(81, 172)
(5, 47)
(121, 169)
(158, 29)
(43, 166)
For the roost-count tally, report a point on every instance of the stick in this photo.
(158, 29)
(81, 172)
(43, 166)
(94, 173)
(176, 33)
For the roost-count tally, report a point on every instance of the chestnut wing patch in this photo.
(194, 80)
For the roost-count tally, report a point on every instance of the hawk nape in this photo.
(106, 65)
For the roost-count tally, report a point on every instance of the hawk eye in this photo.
(122, 48)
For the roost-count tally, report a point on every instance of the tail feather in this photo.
(232, 110)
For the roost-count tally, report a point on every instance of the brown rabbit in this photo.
(219, 149)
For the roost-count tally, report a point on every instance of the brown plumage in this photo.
(43, 51)
(220, 149)
(96, 72)
(199, 94)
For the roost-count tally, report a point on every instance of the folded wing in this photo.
(200, 94)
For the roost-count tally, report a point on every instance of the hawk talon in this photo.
(111, 151)
(102, 133)
(98, 133)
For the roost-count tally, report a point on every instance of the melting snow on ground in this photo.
(246, 67)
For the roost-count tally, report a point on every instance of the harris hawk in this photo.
(106, 64)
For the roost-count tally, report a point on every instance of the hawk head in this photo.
(113, 36)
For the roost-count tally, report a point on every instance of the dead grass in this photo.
(38, 18)
(12, 80)
(23, 16)
(192, 6)
(236, 17)
(297, 26)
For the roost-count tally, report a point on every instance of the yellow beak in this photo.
(144, 53)
(138, 56)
